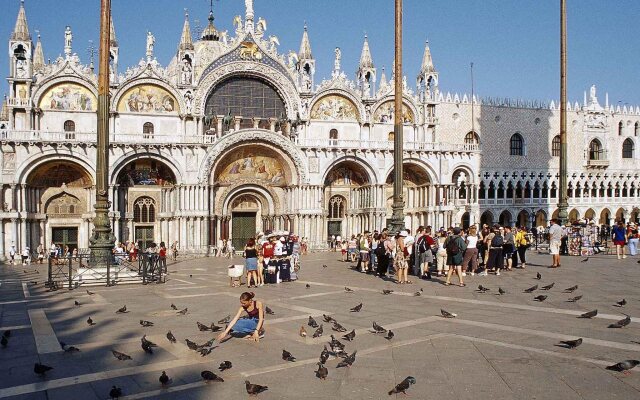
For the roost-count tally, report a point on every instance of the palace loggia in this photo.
(237, 136)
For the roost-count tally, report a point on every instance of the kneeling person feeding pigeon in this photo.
(249, 326)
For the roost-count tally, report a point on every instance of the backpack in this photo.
(380, 250)
(452, 246)
(497, 241)
(422, 244)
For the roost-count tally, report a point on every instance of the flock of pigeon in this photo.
(623, 366)
(336, 348)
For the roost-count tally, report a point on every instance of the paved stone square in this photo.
(498, 347)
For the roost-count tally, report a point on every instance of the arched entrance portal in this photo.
(143, 188)
(417, 192)
(246, 212)
(347, 192)
(58, 190)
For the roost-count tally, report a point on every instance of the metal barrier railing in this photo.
(84, 269)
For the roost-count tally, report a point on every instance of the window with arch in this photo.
(627, 148)
(69, 129)
(595, 150)
(471, 138)
(333, 137)
(620, 127)
(555, 146)
(517, 145)
(337, 207)
(147, 130)
(144, 210)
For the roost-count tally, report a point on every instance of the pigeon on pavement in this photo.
(269, 311)
(170, 337)
(483, 289)
(574, 299)
(324, 355)
(183, 311)
(538, 276)
(548, 287)
(115, 392)
(403, 386)
(348, 361)
(312, 322)
(322, 371)
(447, 314)
(318, 332)
(387, 291)
(350, 336)
(589, 314)
(501, 291)
(540, 298)
(621, 303)
(571, 289)
(570, 344)
(303, 332)
(146, 323)
(225, 365)
(531, 289)
(338, 328)
(328, 318)
(356, 308)
(90, 322)
(624, 366)
(122, 310)
(90, 293)
(288, 356)
(348, 290)
(209, 376)
(254, 389)
(202, 327)
(120, 356)
(389, 335)
(622, 323)
(378, 329)
(225, 320)
(41, 369)
(173, 306)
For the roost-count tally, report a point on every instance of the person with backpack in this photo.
(455, 247)
(441, 254)
(522, 244)
(423, 254)
(509, 246)
(496, 241)
(382, 255)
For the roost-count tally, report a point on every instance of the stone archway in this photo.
(419, 195)
(58, 199)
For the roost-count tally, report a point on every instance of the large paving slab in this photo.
(498, 347)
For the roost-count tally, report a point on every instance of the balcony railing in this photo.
(388, 145)
(19, 102)
(118, 138)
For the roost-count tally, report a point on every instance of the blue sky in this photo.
(513, 44)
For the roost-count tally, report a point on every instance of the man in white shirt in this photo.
(555, 238)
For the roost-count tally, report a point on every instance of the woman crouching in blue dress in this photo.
(249, 326)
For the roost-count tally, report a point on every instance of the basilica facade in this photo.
(235, 136)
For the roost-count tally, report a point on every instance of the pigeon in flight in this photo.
(170, 337)
(350, 336)
(624, 366)
(589, 314)
(312, 322)
(288, 356)
(403, 386)
(531, 289)
(548, 287)
(570, 344)
(209, 376)
(447, 314)
(254, 389)
(225, 365)
(356, 308)
(121, 356)
(622, 323)
(322, 371)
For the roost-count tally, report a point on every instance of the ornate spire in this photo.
(38, 57)
(427, 62)
(365, 58)
(21, 31)
(383, 78)
(112, 34)
(210, 32)
(186, 42)
(249, 16)
(305, 46)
